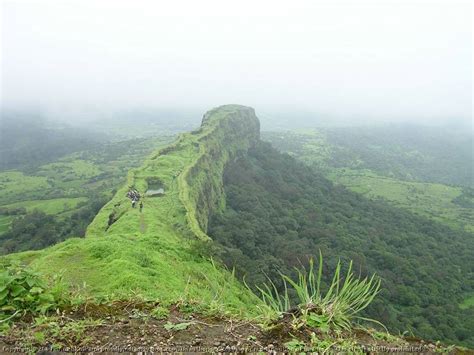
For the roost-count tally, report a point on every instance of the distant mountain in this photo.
(27, 141)
(409, 152)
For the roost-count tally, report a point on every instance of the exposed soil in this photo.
(125, 328)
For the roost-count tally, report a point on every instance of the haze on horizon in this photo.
(366, 60)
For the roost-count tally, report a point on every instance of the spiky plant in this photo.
(337, 308)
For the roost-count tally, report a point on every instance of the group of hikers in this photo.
(134, 195)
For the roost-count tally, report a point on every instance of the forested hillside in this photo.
(26, 141)
(426, 170)
(407, 152)
(153, 272)
(442, 155)
(280, 212)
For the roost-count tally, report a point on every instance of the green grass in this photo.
(59, 187)
(14, 184)
(431, 200)
(53, 206)
(334, 308)
(75, 169)
(152, 253)
(5, 223)
(467, 303)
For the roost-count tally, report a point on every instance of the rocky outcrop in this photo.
(225, 133)
(191, 168)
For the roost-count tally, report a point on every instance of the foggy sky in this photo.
(383, 60)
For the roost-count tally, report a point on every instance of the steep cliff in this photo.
(225, 133)
(151, 257)
(190, 169)
(154, 252)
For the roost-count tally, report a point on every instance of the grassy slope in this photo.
(53, 206)
(70, 169)
(14, 183)
(432, 200)
(59, 188)
(151, 253)
(4, 223)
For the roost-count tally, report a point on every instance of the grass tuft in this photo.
(337, 308)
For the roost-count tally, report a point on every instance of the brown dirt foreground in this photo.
(127, 328)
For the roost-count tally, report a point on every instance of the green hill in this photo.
(425, 170)
(153, 253)
(155, 265)
(281, 212)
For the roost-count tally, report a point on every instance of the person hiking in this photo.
(141, 206)
(133, 203)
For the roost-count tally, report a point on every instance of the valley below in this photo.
(241, 240)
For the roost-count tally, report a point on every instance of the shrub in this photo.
(336, 308)
(160, 313)
(23, 291)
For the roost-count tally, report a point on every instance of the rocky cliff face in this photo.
(190, 168)
(228, 132)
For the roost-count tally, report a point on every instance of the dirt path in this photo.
(124, 327)
(142, 223)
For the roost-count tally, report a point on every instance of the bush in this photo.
(337, 308)
(23, 291)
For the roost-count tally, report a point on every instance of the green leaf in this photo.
(168, 326)
(46, 297)
(44, 308)
(31, 281)
(40, 337)
(5, 279)
(182, 326)
(29, 298)
(17, 290)
(4, 327)
(3, 294)
(36, 290)
(4, 284)
(317, 320)
(178, 326)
